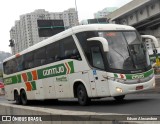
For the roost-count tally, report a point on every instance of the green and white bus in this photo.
(84, 62)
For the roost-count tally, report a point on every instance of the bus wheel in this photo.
(119, 98)
(82, 95)
(23, 97)
(17, 98)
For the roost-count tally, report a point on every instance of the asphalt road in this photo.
(134, 104)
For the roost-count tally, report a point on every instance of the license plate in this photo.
(139, 87)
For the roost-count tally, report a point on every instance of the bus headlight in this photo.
(119, 89)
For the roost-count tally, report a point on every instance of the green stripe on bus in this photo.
(33, 83)
(53, 71)
(19, 78)
(29, 75)
(139, 75)
(148, 73)
(14, 79)
(71, 66)
(47, 72)
(115, 75)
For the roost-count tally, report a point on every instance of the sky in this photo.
(10, 10)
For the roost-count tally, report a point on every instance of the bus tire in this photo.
(119, 98)
(17, 98)
(82, 95)
(23, 97)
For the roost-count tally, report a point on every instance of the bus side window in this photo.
(69, 49)
(20, 63)
(82, 38)
(13, 66)
(29, 60)
(10, 67)
(67, 54)
(6, 68)
(52, 53)
(76, 55)
(40, 57)
(97, 59)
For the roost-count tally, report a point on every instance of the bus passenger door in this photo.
(98, 71)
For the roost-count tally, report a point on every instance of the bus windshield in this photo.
(126, 51)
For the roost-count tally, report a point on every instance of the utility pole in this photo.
(76, 11)
(76, 5)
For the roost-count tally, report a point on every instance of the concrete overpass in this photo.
(144, 15)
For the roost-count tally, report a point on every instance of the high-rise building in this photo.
(94, 21)
(12, 36)
(25, 32)
(104, 12)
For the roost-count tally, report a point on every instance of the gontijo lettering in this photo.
(56, 70)
(8, 81)
(53, 71)
(137, 76)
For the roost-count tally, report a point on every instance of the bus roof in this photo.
(73, 30)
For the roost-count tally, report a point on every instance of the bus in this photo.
(83, 62)
(154, 52)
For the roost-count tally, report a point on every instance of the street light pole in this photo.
(76, 11)
(76, 5)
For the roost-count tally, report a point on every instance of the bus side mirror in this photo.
(103, 41)
(154, 39)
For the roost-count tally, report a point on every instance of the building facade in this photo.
(103, 13)
(13, 36)
(144, 15)
(25, 32)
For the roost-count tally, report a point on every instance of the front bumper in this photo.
(117, 89)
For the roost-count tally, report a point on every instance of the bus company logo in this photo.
(61, 69)
(53, 71)
(137, 76)
(61, 79)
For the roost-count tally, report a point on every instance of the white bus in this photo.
(153, 49)
(84, 62)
